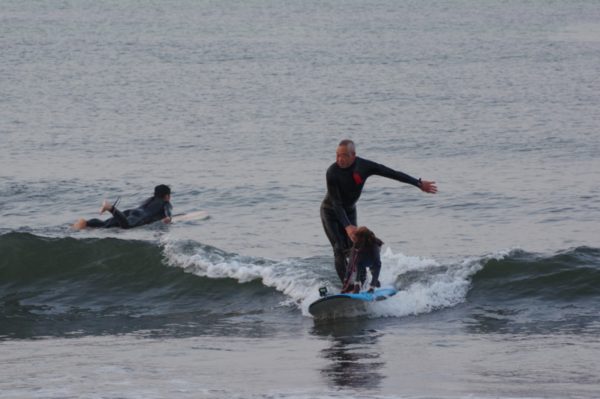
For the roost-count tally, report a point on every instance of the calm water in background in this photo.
(239, 107)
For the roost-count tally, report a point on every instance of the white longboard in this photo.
(190, 216)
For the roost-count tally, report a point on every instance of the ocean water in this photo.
(238, 106)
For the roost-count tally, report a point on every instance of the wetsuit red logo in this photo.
(357, 179)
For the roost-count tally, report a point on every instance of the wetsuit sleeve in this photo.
(168, 210)
(382, 170)
(336, 200)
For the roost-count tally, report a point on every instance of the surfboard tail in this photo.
(347, 305)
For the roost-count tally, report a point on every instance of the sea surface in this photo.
(239, 106)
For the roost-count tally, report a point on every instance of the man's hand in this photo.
(428, 186)
(166, 220)
(350, 230)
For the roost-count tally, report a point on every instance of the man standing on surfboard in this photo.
(158, 207)
(346, 178)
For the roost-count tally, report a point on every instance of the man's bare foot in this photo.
(106, 206)
(80, 224)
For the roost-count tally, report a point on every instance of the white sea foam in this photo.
(284, 276)
(424, 284)
(439, 285)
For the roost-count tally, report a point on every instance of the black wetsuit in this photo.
(360, 259)
(338, 209)
(151, 210)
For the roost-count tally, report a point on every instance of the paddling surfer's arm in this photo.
(168, 209)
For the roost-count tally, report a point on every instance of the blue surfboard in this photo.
(347, 305)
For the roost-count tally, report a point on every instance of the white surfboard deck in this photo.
(190, 216)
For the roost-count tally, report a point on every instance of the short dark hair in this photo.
(162, 190)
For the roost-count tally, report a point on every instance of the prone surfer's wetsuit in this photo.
(338, 209)
(151, 210)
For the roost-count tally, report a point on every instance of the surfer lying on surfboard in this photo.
(365, 253)
(158, 207)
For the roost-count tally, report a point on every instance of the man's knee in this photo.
(341, 252)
